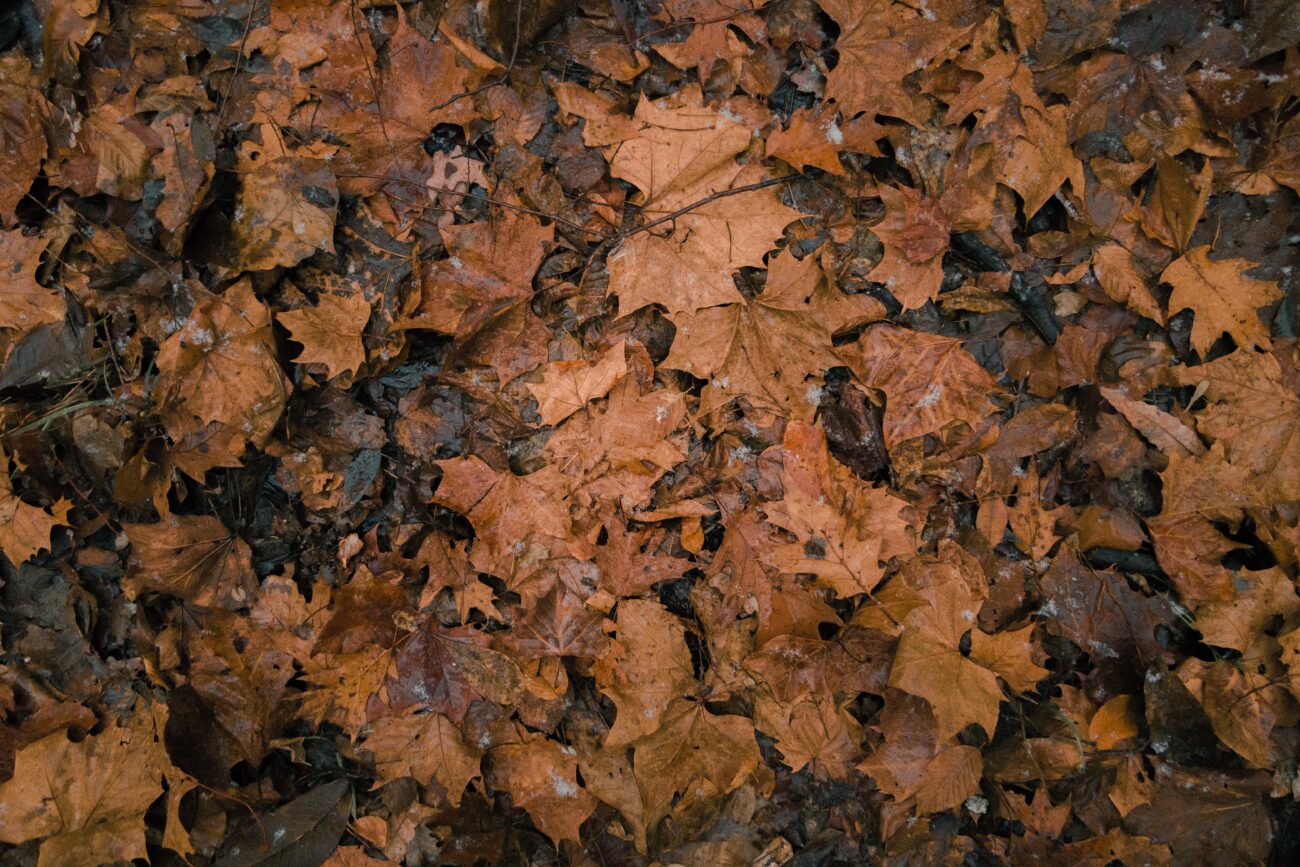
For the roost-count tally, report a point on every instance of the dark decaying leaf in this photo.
(302, 833)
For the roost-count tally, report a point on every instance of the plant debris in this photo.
(649, 432)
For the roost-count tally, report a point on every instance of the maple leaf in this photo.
(681, 145)
(341, 687)
(929, 380)
(1222, 296)
(843, 528)
(915, 763)
(24, 303)
(426, 746)
(915, 235)
(1250, 622)
(285, 212)
(1033, 523)
(489, 267)
(25, 529)
(1100, 613)
(1177, 202)
(1254, 416)
(193, 558)
(22, 139)
(1239, 711)
(568, 386)
(226, 343)
(882, 42)
(691, 266)
(710, 39)
(514, 344)
(1112, 92)
(114, 154)
(330, 332)
(617, 453)
(683, 155)
(768, 348)
(1007, 655)
(797, 667)
(87, 799)
(692, 747)
(929, 662)
(608, 776)
(559, 625)
(1196, 491)
(816, 138)
(366, 611)
(1116, 845)
(647, 670)
(1017, 140)
(236, 699)
(816, 732)
(186, 175)
(424, 77)
(541, 777)
(1213, 816)
(505, 510)
(1118, 273)
(444, 670)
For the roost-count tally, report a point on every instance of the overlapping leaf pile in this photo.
(649, 431)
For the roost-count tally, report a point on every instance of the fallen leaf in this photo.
(1163, 429)
(648, 669)
(568, 386)
(844, 530)
(87, 799)
(1116, 721)
(929, 380)
(771, 349)
(194, 558)
(330, 332)
(285, 212)
(692, 746)
(915, 235)
(305, 830)
(426, 746)
(24, 303)
(1223, 298)
(542, 778)
(25, 529)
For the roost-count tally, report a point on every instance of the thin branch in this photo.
(505, 73)
(713, 197)
(230, 85)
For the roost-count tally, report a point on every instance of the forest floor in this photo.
(649, 432)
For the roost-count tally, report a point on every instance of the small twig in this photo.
(51, 417)
(230, 85)
(699, 203)
(619, 237)
(505, 73)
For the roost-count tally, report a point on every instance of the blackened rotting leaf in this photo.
(318, 196)
(360, 475)
(854, 432)
(1181, 731)
(302, 833)
(48, 353)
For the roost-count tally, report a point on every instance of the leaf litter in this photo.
(649, 432)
